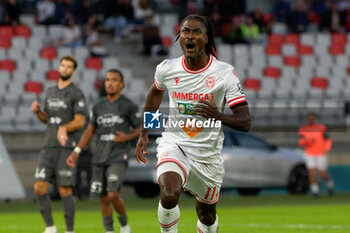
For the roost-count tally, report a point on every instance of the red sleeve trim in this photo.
(157, 86)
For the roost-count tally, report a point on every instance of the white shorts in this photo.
(317, 162)
(203, 180)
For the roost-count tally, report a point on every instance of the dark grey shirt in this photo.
(61, 106)
(108, 118)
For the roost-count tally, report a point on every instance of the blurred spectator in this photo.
(1, 13)
(281, 10)
(258, 19)
(331, 19)
(209, 6)
(71, 35)
(343, 4)
(142, 10)
(210, 9)
(346, 19)
(298, 18)
(234, 33)
(45, 10)
(250, 30)
(90, 32)
(118, 17)
(12, 12)
(229, 8)
(150, 36)
(82, 11)
(64, 9)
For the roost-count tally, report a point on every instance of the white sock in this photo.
(51, 228)
(314, 188)
(168, 218)
(330, 184)
(202, 228)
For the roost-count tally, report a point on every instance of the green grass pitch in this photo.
(261, 214)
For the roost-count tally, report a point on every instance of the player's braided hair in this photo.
(210, 47)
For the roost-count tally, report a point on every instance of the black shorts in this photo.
(107, 178)
(52, 167)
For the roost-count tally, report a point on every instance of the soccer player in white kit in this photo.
(199, 86)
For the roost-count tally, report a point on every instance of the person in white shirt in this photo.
(189, 157)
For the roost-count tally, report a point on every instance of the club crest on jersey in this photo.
(177, 79)
(210, 82)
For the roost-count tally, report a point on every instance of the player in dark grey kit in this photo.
(64, 113)
(115, 121)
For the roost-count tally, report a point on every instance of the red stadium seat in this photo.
(272, 72)
(336, 49)
(23, 31)
(52, 75)
(6, 32)
(166, 41)
(94, 63)
(275, 39)
(8, 65)
(319, 82)
(49, 53)
(348, 69)
(33, 87)
(292, 61)
(267, 17)
(5, 43)
(252, 83)
(339, 39)
(273, 49)
(292, 39)
(305, 50)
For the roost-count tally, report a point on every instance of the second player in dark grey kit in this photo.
(64, 112)
(114, 121)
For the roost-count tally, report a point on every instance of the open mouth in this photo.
(190, 45)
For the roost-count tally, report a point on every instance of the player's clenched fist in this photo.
(35, 106)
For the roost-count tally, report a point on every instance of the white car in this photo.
(251, 164)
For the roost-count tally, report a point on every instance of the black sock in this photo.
(69, 210)
(45, 208)
(123, 220)
(108, 223)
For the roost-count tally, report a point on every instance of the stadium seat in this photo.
(8, 65)
(64, 51)
(338, 39)
(275, 39)
(35, 43)
(5, 43)
(305, 50)
(49, 53)
(224, 52)
(42, 65)
(273, 49)
(252, 83)
(335, 49)
(25, 65)
(33, 87)
(6, 32)
(307, 39)
(15, 54)
(319, 82)
(289, 49)
(323, 39)
(348, 70)
(19, 42)
(93, 63)
(22, 31)
(275, 61)
(52, 75)
(292, 61)
(342, 60)
(322, 71)
(37, 75)
(272, 72)
(166, 41)
(39, 31)
(308, 60)
(288, 72)
(292, 39)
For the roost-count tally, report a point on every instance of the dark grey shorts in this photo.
(107, 178)
(52, 167)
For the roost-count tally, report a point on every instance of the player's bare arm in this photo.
(84, 140)
(77, 123)
(240, 120)
(122, 137)
(153, 100)
(36, 108)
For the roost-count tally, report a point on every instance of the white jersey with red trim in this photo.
(217, 82)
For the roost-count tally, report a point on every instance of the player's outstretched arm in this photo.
(240, 120)
(77, 123)
(84, 140)
(36, 108)
(153, 100)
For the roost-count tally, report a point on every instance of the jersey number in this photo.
(40, 173)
